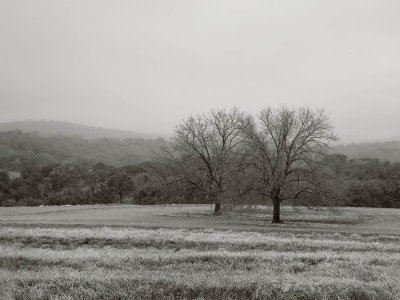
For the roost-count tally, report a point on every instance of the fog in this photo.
(145, 65)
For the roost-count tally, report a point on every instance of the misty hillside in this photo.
(50, 128)
(43, 148)
(18, 147)
(383, 151)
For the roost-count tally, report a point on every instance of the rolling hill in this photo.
(383, 151)
(50, 128)
(62, 141)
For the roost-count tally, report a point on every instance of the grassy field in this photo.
(182, 252)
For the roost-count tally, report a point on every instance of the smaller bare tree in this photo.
(283, 149)
(205, 146)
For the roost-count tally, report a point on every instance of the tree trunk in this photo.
(276, 218)
(217, 209)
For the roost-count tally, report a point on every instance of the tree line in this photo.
(81, 183)
(224, 157)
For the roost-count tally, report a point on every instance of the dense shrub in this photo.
(32, 201)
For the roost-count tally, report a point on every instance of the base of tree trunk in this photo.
(217, 210)
(277, 222)
(276, 214)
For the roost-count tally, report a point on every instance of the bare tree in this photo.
(283, 148)
(206, 146)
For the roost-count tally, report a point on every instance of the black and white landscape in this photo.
(221, 149)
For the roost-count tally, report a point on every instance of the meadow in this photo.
(183, 252)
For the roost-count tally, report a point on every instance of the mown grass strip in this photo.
(281, 244)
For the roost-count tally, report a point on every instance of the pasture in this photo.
(183, 252)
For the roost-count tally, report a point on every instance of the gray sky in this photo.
(145, 65)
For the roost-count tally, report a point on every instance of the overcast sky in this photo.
(145, 65)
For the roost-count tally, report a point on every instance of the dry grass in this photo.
(105, 262)
(348, 220)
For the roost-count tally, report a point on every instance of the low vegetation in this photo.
(328, 259)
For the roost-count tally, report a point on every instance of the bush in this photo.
(10, 202)
(32, 201)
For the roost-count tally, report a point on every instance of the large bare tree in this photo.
(283, 149)
(207, 144)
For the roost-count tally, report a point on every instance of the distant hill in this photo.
(383, 151)
(62, 141)
(50, 128)
(19, 147)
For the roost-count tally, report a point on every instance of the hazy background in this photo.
(145, 65)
